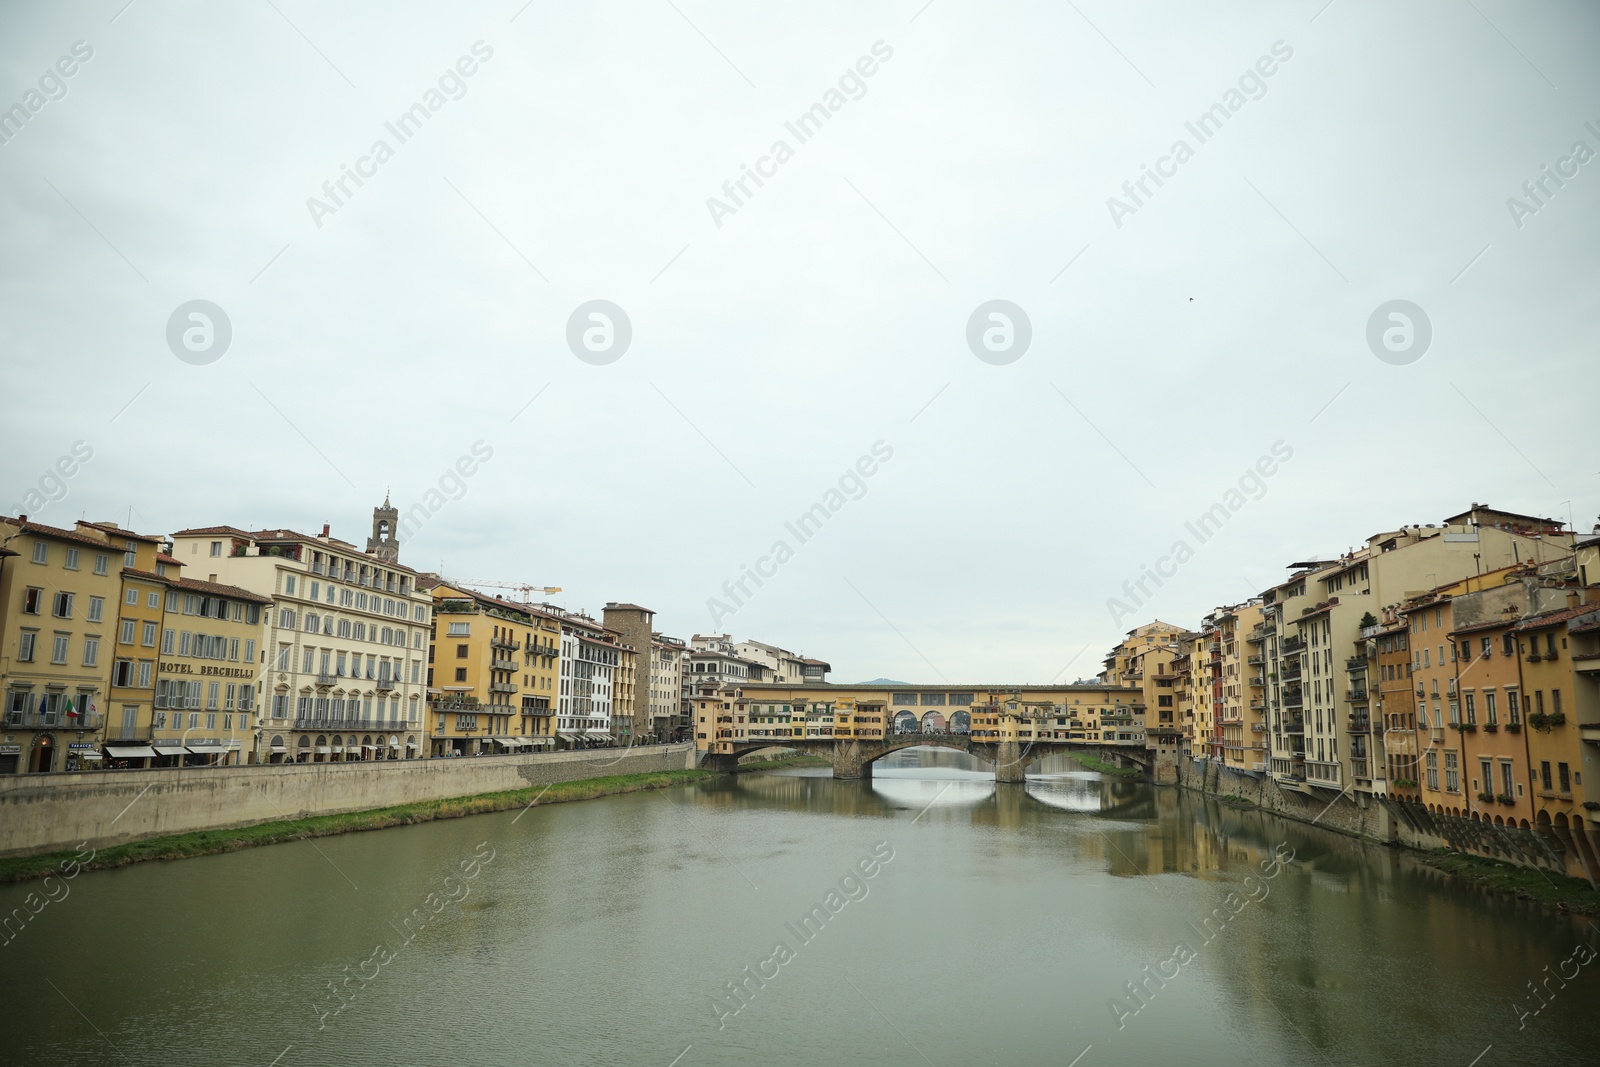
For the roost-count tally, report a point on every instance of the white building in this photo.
(667, 656)
(589, 660)
(344, 646)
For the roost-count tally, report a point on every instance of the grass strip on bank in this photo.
(1526, 883)
(210, 842)
(1110, 770)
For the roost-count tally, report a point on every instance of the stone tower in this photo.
(385, 524)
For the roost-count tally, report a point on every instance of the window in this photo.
(1555, 702)
(1508, 779)
(211, 695)
(1488, 707)
(1563, 779)
(91, 651)
(461, 652)
(1488, 775)
(72, 559)
(131, 597)
(31, 599)
(1472, 709)
(1487, 648)
(1513, 708)
(153, 600)
(285, 619)
(130, 558)
(97, 608)
(283, 657)
(216, 548)
(1544, 774)
(25, 646)
(41, 552)
(144, 674)
(149, 640)
(1433, 770)
(62, 606)
(461, 674)
(58, 651)
(1452, 775)
(167, 639)
(129, 627)
(102, 563)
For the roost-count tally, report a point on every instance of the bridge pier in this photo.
(1010, 762)
(720, 762)
(849, 761)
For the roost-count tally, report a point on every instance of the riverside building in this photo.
(345, 640)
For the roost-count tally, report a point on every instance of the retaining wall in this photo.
(42, 812)
(1389, 822)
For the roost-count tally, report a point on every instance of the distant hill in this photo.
(881, 682)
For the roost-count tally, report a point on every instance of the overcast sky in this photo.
(376, 338)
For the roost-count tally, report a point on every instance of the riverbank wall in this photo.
(1568, 850)
(41, 813)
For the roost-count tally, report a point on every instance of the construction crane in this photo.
(527, 591)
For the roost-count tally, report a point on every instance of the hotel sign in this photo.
(206, 668)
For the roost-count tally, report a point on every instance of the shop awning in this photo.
(206, 750)
(394, 742)
(279, 748)
(230, 744)
(598, 735)
(90, 755)
(566, 736)
(131, 751)
(323, 749)
(370, 747)
(170, 750)
(411, 744)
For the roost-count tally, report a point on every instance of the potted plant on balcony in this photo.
(1539, 720)
(1487, 798)
(1513, 727)
(1506, 798)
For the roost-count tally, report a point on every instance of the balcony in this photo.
(1295, 726)
(54, 720)
(1358, 768)
(1293, 646)
(502, 687)
(1256, 660)
(1258, 727)
(1318, 771)
(1360, 724)
(503, 664)
(1292, 697)
(1258, 635)
(503, 642)
(1356, 663)
(384, 683)
(324, 679)
(1586, 662)
(339, 726)
(1356, 696)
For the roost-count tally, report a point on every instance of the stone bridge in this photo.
(853, 757)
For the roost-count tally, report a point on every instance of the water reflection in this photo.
(928, 778)
(1070, 792)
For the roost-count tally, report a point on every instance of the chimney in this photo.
(1573, 599)
(324, 529)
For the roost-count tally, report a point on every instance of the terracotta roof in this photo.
(40, 530)
(631, 607)
(162, 557)
(216, 589)
(117, 531)
(198, 531)
(130, 572)
(1551, 618)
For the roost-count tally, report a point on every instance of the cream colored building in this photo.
(667, 657)
(345, 641)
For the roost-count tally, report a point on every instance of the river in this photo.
(970, 923)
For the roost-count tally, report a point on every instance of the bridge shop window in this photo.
(936, 699)
(905, 698)
(963, 700)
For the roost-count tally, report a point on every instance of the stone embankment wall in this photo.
(1569, 850)
(43, 812)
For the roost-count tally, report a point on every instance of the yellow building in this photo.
(1242, 713)
(493, 667)
(1558, 757)
(59, 591)
(136, 626)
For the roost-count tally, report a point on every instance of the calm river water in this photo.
(996, 927)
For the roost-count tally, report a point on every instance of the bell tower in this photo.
(385, 530)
